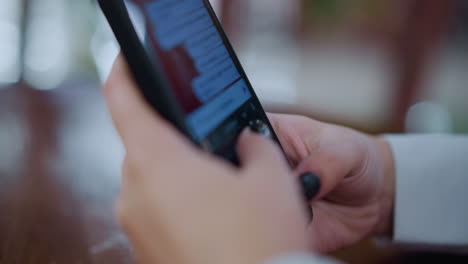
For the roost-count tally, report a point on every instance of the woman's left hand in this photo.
(179, 204)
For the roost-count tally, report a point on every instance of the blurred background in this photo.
(381, 66)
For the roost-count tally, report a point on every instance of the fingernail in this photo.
(310, 185)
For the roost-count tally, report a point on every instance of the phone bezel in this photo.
(148, 74)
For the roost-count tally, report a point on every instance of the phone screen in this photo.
(184, 38)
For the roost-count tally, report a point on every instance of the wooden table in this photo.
(56, 206)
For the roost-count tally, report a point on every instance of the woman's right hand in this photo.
(356, 175)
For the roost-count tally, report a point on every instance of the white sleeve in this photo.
(431, 204)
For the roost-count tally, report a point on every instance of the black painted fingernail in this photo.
(310, 185)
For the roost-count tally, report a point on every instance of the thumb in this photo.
(270, 172)
(324, 171)
(258, 151)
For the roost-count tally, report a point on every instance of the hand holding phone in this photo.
(187, 70)
(178, 204)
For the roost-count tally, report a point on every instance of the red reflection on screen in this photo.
(178, 66)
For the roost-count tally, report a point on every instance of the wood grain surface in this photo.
(56, 203)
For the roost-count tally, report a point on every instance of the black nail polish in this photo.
(310, 185)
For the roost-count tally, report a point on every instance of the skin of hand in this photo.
(181, 205)
(356, 172)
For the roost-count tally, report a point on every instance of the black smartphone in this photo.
(187, 70)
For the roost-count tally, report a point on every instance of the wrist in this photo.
(384, 228)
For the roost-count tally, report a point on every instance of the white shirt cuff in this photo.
(431, 203)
